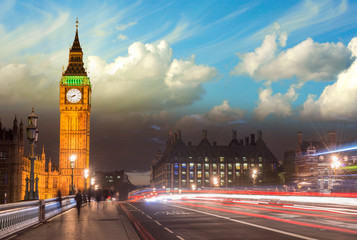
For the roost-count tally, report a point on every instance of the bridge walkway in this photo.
(108, 221)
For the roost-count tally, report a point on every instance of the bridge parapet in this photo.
(15, 217)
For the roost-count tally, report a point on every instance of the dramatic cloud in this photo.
(337, 101)
(308, 60)
(147, 79)
(277, 104)
(222, 114)
(122, 27)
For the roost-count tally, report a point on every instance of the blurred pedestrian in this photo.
(98, 197)
(79, 200)
(59, 199)
(89, 196)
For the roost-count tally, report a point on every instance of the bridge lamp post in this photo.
(72, 161)
(32, 136)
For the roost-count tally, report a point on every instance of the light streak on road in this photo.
(279, 211)
(272, 218)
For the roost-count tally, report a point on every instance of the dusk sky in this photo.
(156, 66)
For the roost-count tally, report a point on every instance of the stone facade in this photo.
(15, 167)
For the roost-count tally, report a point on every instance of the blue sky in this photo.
(185, 64)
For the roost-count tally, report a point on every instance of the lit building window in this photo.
(191, 174)
(222, 174)
(207, 181)
(199, 174)
(260, 159)
(176, 166)
(176, 172)
(252, 165)
(118, 176)
(221, 166)
(183, 180)
(206, 174)
(214, 173)
(183, 173)
(230, 173)
(221, 159)
(206, 166)
(260, 165)
(245, 166)
(199, 181)
(230, 166)
(199, 166)
(244, 159)
(214, 165)
(206, 159)
(237, 166)
(191, 180)
(183, 165)
(229, 180)
(192, 166)
(237, 174)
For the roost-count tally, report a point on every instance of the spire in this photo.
(75, 61)
(43, 156)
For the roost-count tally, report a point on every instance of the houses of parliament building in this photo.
(75, 106)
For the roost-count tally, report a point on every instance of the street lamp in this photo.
(254, 175)
(73, 159)
(335, 164)
(215, 181)
(32, 136)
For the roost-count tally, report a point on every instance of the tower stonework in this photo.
(75, 107)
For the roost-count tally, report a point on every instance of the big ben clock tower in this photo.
(75, 106)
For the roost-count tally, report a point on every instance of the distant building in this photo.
(15, 167)
(319, 165)
(113, 182)
(207, 164)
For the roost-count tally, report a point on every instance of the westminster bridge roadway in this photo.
(201, 218)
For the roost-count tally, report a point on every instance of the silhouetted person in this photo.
(98, 197)
(78, 199)
(59, 199)
(89, 196)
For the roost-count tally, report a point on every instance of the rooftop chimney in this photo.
(252, 139)
(204, 134)
(234, 134)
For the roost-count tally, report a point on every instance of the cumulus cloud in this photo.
(148, 78)
(307, 61)
(338, 100)
(221, 114)
(277, 104)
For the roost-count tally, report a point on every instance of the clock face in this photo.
(74, 95)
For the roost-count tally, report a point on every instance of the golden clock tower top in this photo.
(75, 61)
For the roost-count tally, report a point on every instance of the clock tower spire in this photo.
(75, 106)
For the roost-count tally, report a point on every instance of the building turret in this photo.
(15, 129)
(21, 130)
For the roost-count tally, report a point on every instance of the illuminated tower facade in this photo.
(75, 106)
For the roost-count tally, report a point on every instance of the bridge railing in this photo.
(15, 217)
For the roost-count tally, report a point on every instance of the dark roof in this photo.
(178, 151)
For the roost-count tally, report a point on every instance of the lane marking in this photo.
(247, 223)
(157, 223)
(148, 216)
(180, 238)
(168, 230)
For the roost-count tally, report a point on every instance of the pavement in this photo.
(106, 221)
